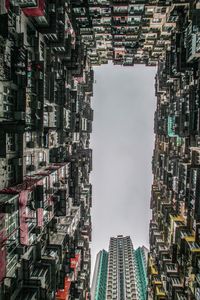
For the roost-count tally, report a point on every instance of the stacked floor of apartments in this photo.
(47, 49)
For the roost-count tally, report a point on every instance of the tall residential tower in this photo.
(100, 276)
(125, 270)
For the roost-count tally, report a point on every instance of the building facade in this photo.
(174, 259)
(47, 50)
(120, 273)
(46, 83)
(140, 259)
(98, 289)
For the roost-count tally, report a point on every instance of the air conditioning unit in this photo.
(18, 161)
(49, 208)
(43, 163)
(56, 184)
(19, 115)
(20, 37)
(50, 191)
(39, 105)
(37, 230)
(8, 282)
(20, 250)
(31, 168)
(30, 196)
(31, 144)
(7, 208)
(49, 108)
(57, 198)
(12, 30)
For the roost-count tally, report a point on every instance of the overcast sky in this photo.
(122, 142)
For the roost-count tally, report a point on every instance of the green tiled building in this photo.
(121, 272)
(100, 276)
(140, 256)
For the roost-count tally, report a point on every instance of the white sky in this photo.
(122, 141)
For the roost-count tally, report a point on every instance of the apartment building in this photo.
(45, 160)
(173, 264)
(120, 273)
(47, 50)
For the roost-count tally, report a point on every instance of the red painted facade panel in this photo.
(35, 11)
(74, 262)
(23, 196)
(40, 221)
(7, 4)
(64, 294)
